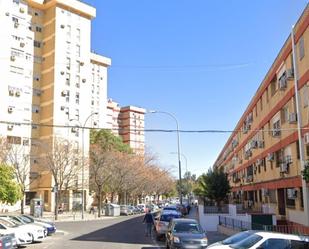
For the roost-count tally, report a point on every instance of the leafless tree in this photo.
(5, 148)
(19, 158)
(100, 171)
(63, 161)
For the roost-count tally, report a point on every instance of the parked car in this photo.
(6, 242)
(125, 210)
(142, 207)
(50, 226)
(37, 232)
(22, 236)
(162, 222)
(233, 239)
(185, 233)
(269, 240)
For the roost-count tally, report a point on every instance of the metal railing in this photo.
(216, 210)
(289, 229)
(234, 223)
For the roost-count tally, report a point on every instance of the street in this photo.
(112, 233)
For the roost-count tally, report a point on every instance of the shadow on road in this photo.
(130, 231)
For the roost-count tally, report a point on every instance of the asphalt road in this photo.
(112, 233)
(109, 233)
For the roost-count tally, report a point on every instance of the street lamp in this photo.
(178, 147)
(183, 157)
(83, 157)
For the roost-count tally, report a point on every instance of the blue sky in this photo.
(201, 60)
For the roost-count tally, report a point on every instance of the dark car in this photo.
(49, 225)
(6, 242)
(185, 233)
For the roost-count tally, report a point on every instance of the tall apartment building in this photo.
(262, 154)
(49, 77)
(128, 123)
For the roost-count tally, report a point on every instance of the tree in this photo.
(5, 148)
(9, 189)
(19, 158)
(64, 163)
(213, 185)
(100, 171)
(108, 141)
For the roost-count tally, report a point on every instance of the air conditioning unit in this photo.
(10, 127)
(260, 144)
(270, 157)
(290, 74)
(82, 63)
(10, 109)
(265, 192)
(7, 14)
(74, 129)
(292, 193)
(62, 73)
(84, 80)
(11, 92)
(292, 118)
(258, 162)
(16, 24)
(22, 10)
(62, 108)
(62, 26)
(13, 58)
(17, 94)
(284, 168)
(306, 138)
(65, 93)
(288, 159)
(22, 44)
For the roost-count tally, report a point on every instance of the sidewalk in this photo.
(75, 216)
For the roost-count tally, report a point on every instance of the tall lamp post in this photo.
(83, 157)
(299, 131)
(178, 148)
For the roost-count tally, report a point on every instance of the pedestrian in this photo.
(149, 221)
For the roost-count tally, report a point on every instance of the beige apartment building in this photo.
(50, 78)
(262, 155)
(128, 123)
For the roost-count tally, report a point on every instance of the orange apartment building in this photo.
(262, 156)
(128, 123)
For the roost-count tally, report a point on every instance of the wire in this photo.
(146, 130)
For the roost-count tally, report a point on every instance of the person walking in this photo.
(149, 221)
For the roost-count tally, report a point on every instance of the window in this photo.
(14, 140)
(284, 114)
(68, 62)
(68, 30)
(273, 87)
(67, 79)
(37, 44)
(296, 244)
(77, 66)
(77, 98)
(38, 29)
(78, 50)
(276, 243)
(301, 47)
(276, 129)
(78, 34)
(68, 47)
(26, 141)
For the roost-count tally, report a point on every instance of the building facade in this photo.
(262, 156)
(128, 123)
(51, 79)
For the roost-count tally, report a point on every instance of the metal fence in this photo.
(216, 210)
(289, 229)
(243, 225)
(234, 223)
